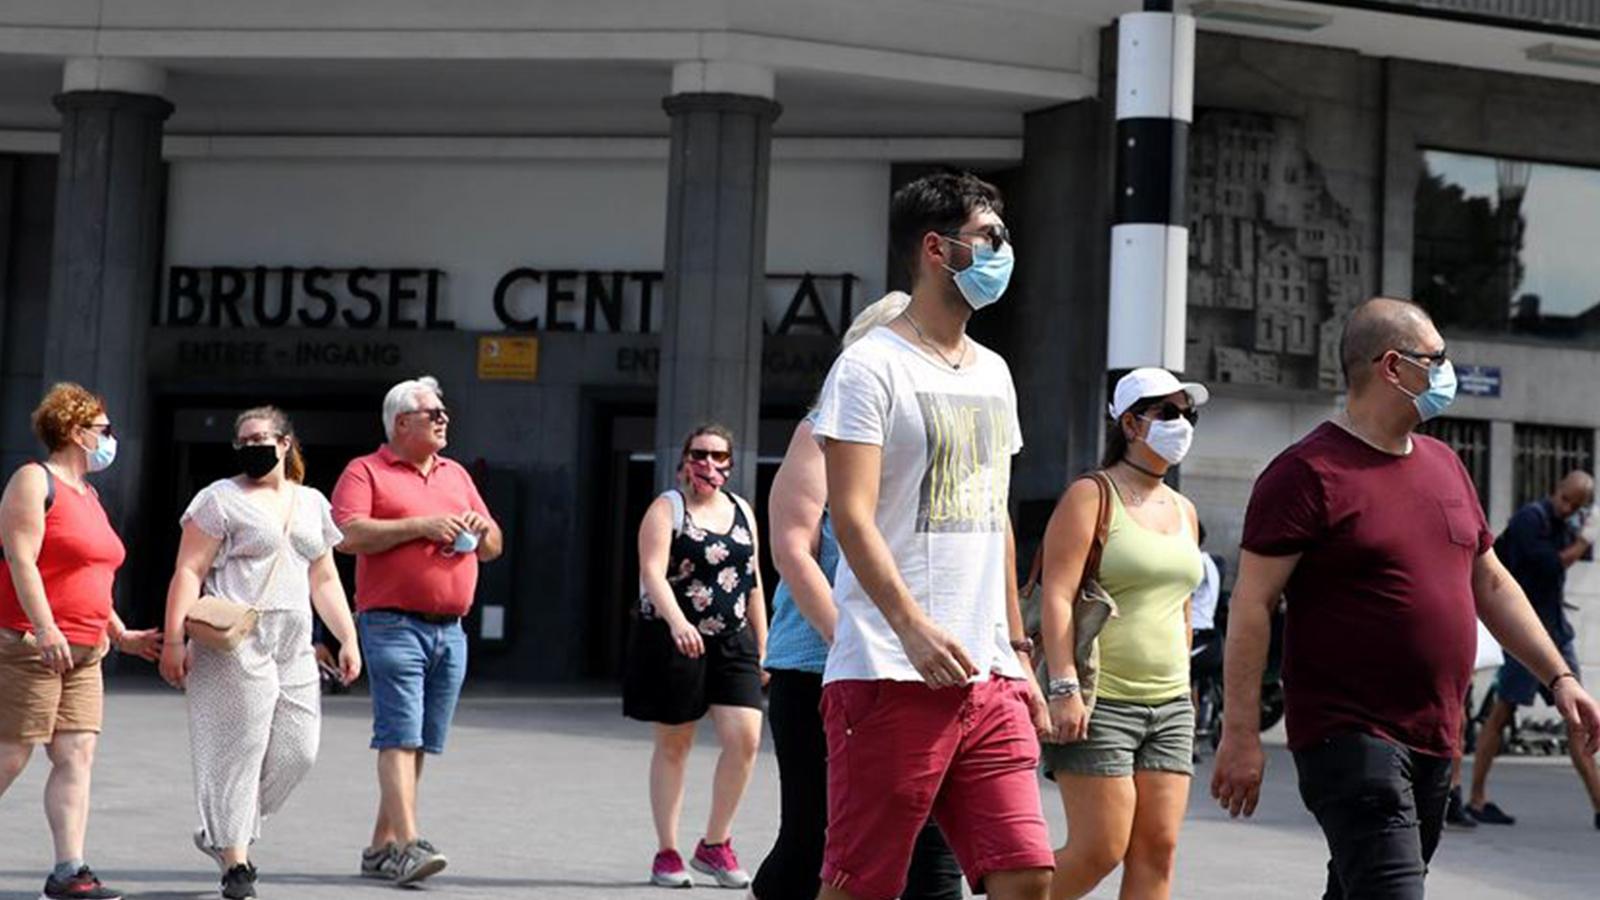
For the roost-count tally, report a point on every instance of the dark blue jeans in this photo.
(1381, 808)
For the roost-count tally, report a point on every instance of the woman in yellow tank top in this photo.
(1124, 770)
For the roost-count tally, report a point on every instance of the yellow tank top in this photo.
(1144, 651)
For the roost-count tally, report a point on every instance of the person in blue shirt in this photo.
(1541, 542)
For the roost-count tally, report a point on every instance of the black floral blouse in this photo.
(711, 575)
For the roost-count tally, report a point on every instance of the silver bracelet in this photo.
(1058, 688)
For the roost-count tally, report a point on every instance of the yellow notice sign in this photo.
(508, 359)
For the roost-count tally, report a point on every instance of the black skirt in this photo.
(660, 684)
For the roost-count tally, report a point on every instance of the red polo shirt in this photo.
(414, 576)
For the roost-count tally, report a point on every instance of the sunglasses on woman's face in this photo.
(101, 428)
(717, 456)
(1169, 411)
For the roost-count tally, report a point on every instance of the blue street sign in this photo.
(1478, 381)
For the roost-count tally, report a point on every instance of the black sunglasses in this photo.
(101, 428)
(1169, 411)
(717, 456)
(438, 415)
(996, 235)
(1432, 359)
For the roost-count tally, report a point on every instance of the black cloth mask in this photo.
(256, 460)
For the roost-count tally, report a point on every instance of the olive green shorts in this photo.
(1128, 737)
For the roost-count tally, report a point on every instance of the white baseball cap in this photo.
(1152, 382)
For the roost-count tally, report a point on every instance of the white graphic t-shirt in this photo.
(948, 437)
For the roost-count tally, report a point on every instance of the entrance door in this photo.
(195, 449)
(622, 488)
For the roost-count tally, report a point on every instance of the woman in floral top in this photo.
(697, 647)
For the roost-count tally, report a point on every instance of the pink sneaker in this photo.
(720, 863)
(668, 871)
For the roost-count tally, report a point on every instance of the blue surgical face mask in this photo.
(1441, 390)
(983, 282)
(1575, 522)
(103, 454)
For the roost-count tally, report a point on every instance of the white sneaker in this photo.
(380, 863)
(416, 861)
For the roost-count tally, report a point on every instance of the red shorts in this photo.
(898, 751)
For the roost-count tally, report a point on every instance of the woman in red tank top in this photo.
(57, 621)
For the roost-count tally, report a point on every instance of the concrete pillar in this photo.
(716, 260)
(107, 249)
(1498, 506)
(1058, 356)
(1150, 233)
(30, 223)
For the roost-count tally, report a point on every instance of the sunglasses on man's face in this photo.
(1169, 412)
(717, 456)
(996, 235)
(438, 415)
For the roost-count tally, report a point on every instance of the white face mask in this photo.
(1170, 440)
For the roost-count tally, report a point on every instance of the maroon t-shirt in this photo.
(1381, 634)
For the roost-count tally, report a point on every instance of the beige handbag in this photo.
(222, 624)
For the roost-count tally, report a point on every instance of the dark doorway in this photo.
(192, 447)
(622, 487)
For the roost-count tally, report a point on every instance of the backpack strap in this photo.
(675, 498)
(744, 506)
(49, 486)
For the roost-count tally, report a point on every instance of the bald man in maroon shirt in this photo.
(1375, 536)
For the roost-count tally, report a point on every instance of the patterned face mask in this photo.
(708, 474)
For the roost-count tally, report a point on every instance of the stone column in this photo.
(715, 265)
(107, 250)
(1058, 298)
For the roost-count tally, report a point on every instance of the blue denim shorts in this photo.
(1518, 686)
(415, 670)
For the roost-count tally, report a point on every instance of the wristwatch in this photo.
(1023, 645)
(1058, 688)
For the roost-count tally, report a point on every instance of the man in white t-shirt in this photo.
(928, 701)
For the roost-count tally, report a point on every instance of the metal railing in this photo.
(1560, 15)
(1544, 454)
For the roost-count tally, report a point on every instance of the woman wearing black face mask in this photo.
(265, 540)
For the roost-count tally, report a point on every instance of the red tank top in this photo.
(78, 560)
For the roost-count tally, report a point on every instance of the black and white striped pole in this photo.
(1150, 234)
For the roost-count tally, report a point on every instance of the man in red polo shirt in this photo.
(1374, 534)
(418, 528)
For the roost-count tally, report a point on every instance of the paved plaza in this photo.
(544, 796)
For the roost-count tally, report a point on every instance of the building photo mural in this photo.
(1276, 260)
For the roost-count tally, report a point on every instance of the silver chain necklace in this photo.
(931, 346)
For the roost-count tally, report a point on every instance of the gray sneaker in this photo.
(380, 862)
(416, 861)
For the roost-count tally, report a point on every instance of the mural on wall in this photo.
(1276, 262)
